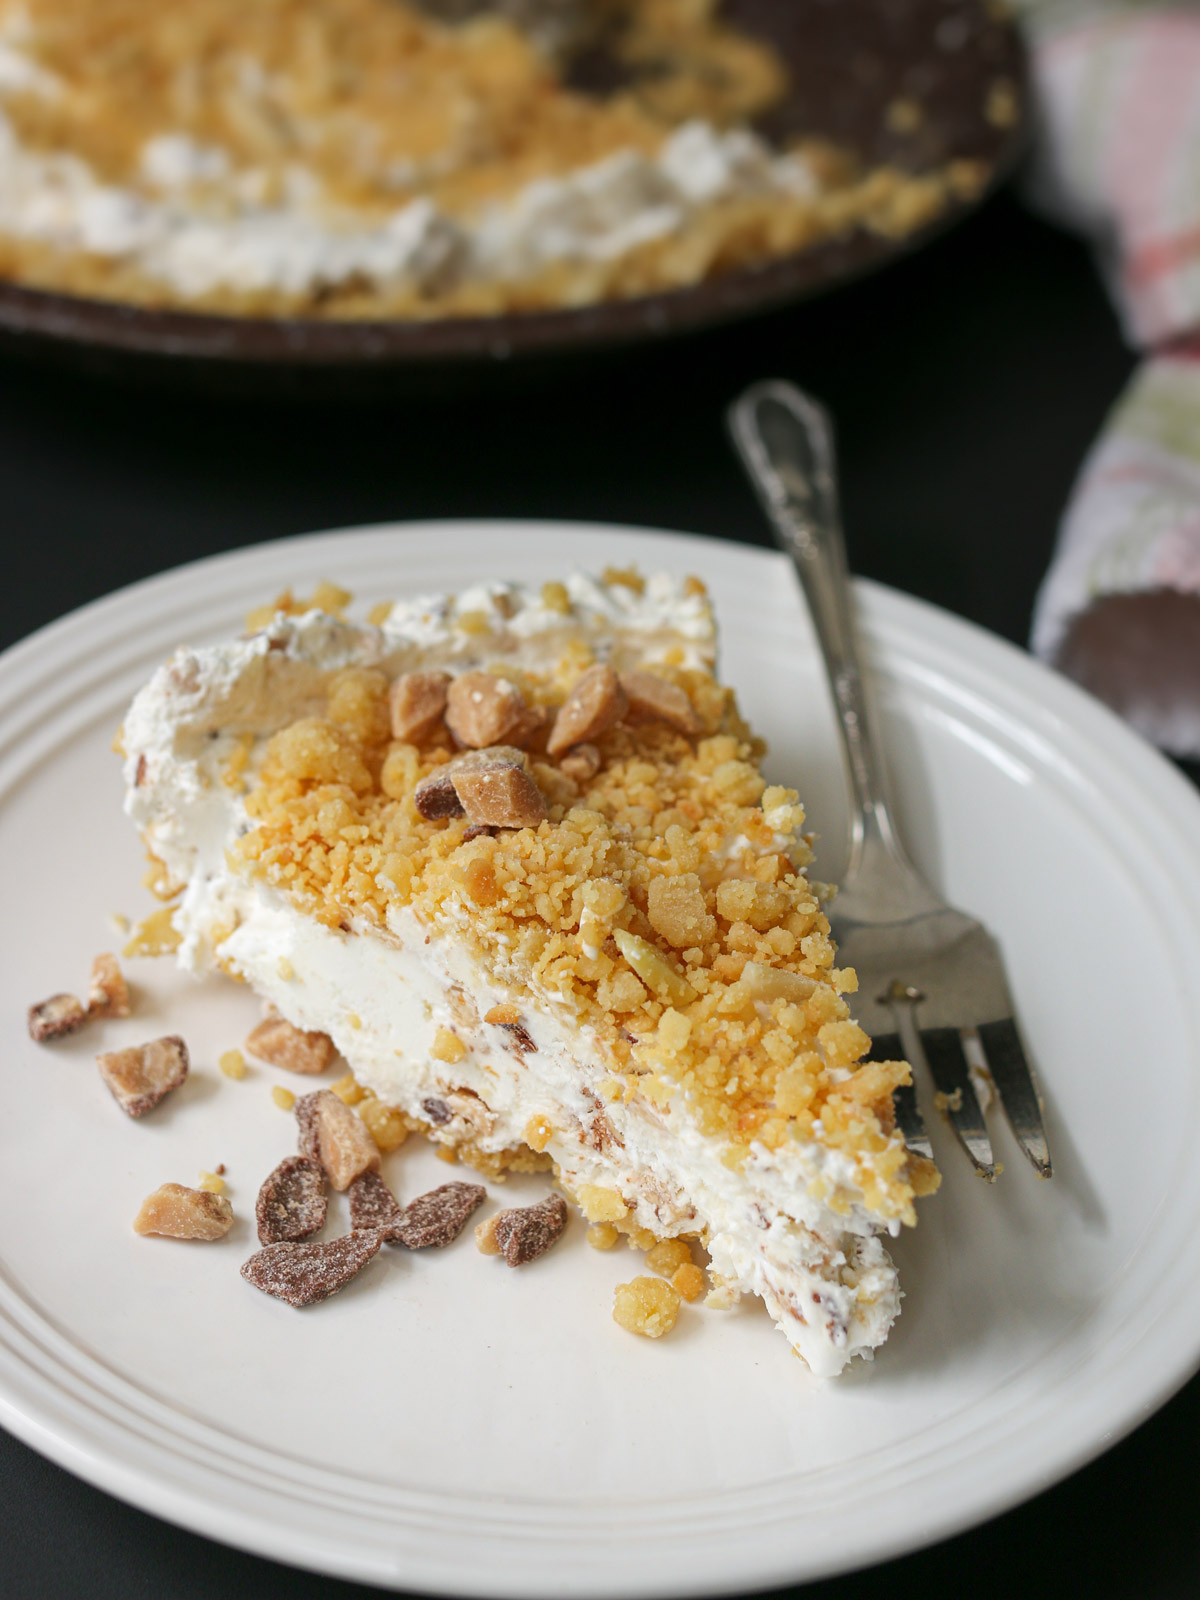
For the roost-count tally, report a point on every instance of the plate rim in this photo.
(1073, 712)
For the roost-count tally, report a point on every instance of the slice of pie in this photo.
(513, 852)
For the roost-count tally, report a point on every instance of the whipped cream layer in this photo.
(385, 994)
(192, 220)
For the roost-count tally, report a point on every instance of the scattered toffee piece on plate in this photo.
(108, 992)
(373, 1205)
(139, 1078)
(280, 1044)
(437, 1218)
(177, 1212)
(524, 1234)
(303, 1274)
(52, 1018)
(331, 1134)
(291, 1204)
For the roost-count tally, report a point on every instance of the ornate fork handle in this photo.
(786, 442)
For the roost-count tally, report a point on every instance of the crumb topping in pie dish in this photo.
(637, 986)
(362, 158)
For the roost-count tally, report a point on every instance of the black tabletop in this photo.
(967, 383)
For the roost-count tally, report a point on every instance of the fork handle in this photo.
(785, 440)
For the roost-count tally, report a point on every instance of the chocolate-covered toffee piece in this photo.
(51, 1019)
(291, 1204)
(303, 1274)
(331, 1134)
(373, 1205)
(437, 1218)
(524, 1233)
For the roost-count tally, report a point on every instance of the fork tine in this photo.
(908, 1113)
(1017, 1092)
(940, 1051)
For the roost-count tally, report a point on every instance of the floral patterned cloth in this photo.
(1118, 102)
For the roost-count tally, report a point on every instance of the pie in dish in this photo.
(396, 159)
(513, 852)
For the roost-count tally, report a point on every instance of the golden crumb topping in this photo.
(662, 904)
(346, 112)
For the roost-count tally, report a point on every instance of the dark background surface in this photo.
(967, 383)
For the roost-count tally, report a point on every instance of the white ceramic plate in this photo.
(448, 1425)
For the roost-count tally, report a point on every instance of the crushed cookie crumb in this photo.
(232, 1063)
(447, 1046)
(668, 1256)
(646, 1306)
(689, 1281)
(155, 935)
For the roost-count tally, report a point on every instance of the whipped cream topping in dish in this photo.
(361, 158)
(420, 974)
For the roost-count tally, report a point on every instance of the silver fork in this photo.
(932, 989)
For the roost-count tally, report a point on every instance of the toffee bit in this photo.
(373, 1205)
(291, 1204)
(177, 1212)
(280, 1044)
(525, 1233)
(139, 1078)
(435, 797)
(51, 1019)
(482, 709)
(581, 762)
(108, 992)
(520, 1036)
(653, 699)
(416, 702)
(436, 1219)
(331, 1134)
(593, 706)
(496, 788)
(304, 1274)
